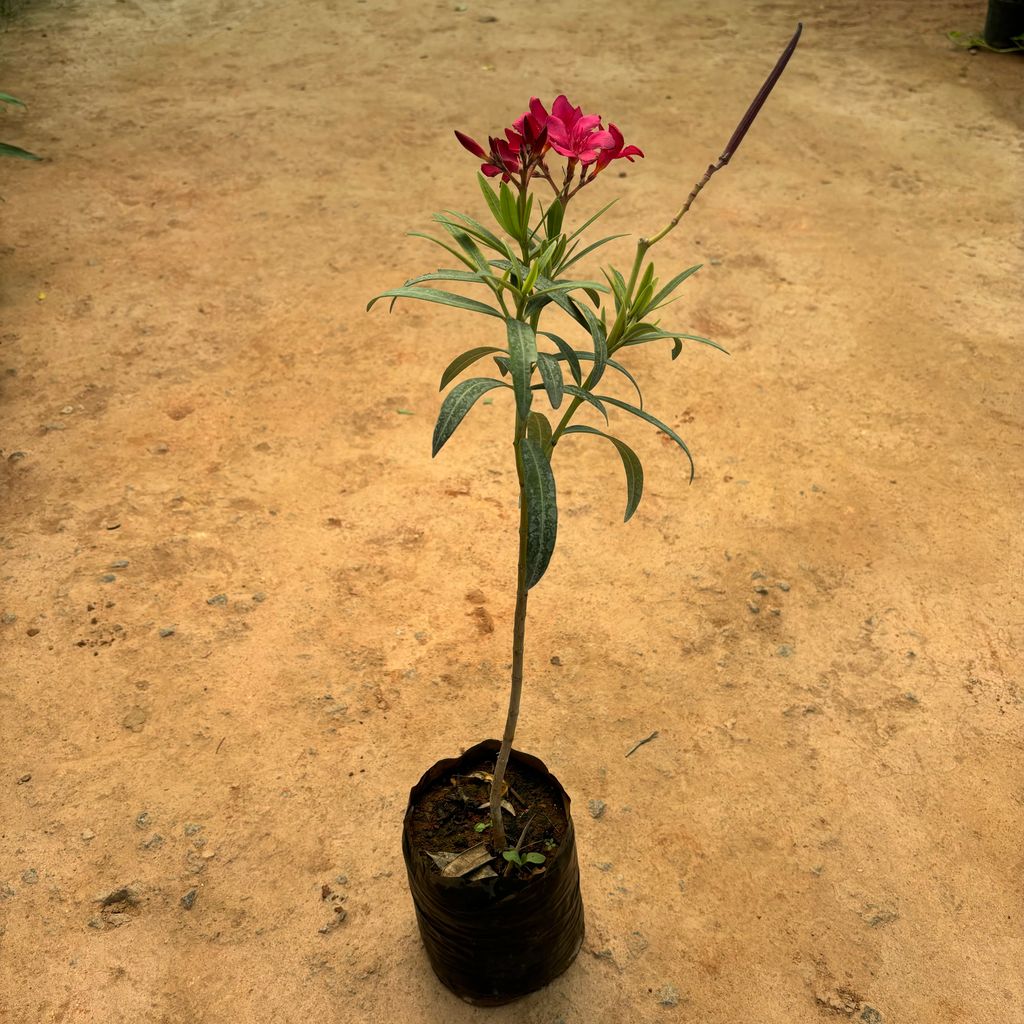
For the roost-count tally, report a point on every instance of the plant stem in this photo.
(518, 643)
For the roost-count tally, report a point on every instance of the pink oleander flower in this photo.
(579, 137)
(532, 124)
(576, 135)
(616, 151)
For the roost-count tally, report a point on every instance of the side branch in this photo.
(737, 137)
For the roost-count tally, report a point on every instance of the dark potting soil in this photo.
(444, 818)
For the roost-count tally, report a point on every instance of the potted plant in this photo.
(488, 836)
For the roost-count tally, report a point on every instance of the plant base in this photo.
(495, 939)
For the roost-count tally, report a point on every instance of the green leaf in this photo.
(512, 856)
(531, 277)
(618, 283)
(664, 428)
(673, 285)
(538, 429)
(630, 463)
(476, 229)
(522, 352)
(542, 509)
(568, 286)
(563, 301)
(469, 276)
(492, 201)
(437, 295)
(553, 219)
(534, 858)
(461, 257)
(509, 209)
(466, 243)
(457, 403)
(551, 374)
(7, 98)
(589, 249)
(15, 151)
(615, 365)
(568, 354)
(586, 396)
(599, 337)
(459, 363)
(644, 291)
(586, 224)
(641, 339)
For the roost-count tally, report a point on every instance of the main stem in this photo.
(518, 643)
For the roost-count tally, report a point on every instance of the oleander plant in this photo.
(524, 269)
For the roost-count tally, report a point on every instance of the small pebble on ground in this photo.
(668, 996)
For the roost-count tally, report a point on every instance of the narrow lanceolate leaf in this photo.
(437, 295)
(664, 428)
(15, 151)
(551, 374)
(492, 201)
(477, 230)
(522, 353)
(586, 224)
(463, 240)
(589, 249)
(630, 463)
(586, 396)
(457, 403)
(542, 509)
(640, 339)
(553, 219)
(568, 354)
(509, 210)
(468, 276)
(538, 429)
(563, 301)
(568, 286)
(673, 285)
(459, 363)
(461, 257)
(618, 283)
(625, 373)
(599, 336)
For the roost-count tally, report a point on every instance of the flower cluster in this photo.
(578, 137)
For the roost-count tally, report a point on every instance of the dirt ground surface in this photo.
(243, 610)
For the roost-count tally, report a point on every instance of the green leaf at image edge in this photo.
(664, 428)
(15, 151)
(542, 510)
(630, 463)
(456, 404)
(439, 296)
(460, 362)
